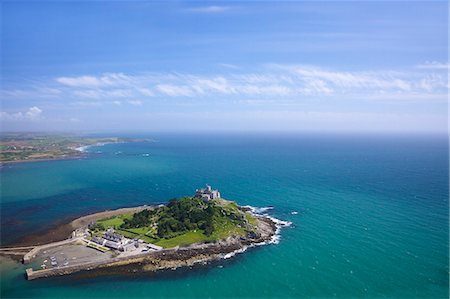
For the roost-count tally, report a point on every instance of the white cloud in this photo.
(146, 92)
(32, 114)
(87, 104)
(175, 90)
(228, 65)
(272, 83)
(218, 84)
(209, 9)
(434, 65)
(135, 102)
(107, 79)
(117, 103)
(325, 79)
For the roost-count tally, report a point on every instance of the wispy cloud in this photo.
(108, 79)
(434, 65)
(209, 9)
(228, 65)
(272, 83)
(135, 102)
(175, 90)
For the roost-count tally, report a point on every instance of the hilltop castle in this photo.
(207, 193)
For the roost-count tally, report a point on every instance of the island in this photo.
(27, 147)
(184, 232)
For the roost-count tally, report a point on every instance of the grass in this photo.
(224, 227)
(146, 230)
(149, 239)
(184, 239)
(115, 221)
(127, 233)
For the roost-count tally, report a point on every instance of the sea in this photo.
(369, 213)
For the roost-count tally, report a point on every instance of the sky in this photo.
(367, 66)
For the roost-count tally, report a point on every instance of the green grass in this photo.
(114, 221)
(127, 233)
(146, 230)
(250, 219)
(224, 227)
(184, 239)
(148, 239)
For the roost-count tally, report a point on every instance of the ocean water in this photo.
(370, 213)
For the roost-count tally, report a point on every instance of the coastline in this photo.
(78, 153)
(75, 156)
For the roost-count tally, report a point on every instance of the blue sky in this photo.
(219, 66)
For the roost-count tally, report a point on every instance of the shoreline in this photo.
(75, 156)
(79, 153)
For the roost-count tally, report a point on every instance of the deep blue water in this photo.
(372, 212)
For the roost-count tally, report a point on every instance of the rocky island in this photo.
(184, 232)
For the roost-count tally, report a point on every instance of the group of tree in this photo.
(179, 216)
(139, 219)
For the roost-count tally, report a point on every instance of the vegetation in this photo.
(35, 146)
(182, 221)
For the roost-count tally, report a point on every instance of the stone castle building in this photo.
(207, 193)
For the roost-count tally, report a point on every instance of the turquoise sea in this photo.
(370, 213)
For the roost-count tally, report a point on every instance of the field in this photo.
(114, 221)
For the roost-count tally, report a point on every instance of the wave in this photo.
(258, 211)
(82, 148)
(275, 239)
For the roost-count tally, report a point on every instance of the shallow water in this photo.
(371, 221)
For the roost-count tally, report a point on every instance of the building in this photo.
(131, 246)
(80, 233)
(207, 193)
(115, 241)
(110, 235)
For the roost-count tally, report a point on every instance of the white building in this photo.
(115, 241)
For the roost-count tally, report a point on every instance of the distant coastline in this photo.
(18, 148)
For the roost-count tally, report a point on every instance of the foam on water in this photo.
(275, 239)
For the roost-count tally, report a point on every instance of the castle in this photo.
(207, 193)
